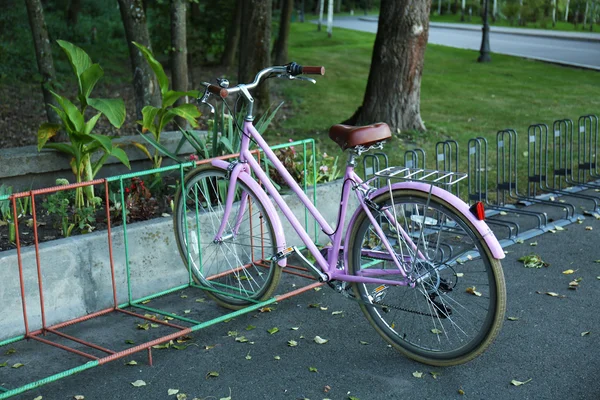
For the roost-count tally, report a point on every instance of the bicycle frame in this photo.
(247, 164)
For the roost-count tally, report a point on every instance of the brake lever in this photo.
(204, 100)
(301, 78)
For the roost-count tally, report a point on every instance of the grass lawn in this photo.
(460, 98)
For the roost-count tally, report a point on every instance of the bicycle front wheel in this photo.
(452, 305)
(235, 269)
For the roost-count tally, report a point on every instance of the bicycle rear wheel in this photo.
(236, 269)
(456, 305)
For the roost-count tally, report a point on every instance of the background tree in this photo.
(43, 54)
(394, 87)
(179, 66)
(145, 86)
(280, 49)
(73, 12)
(255, 46)
(232, 37)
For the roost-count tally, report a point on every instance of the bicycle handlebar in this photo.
(290, 70)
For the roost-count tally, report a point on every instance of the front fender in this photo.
(462, 207)
(266, 202)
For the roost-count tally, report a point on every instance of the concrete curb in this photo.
(76, 270)
(21, 166)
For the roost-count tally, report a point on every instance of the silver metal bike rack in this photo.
(446, 159)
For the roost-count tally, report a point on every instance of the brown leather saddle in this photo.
(347, 136)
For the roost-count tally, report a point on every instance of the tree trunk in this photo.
(462, 11)
(255, 46)
(587, 6)
(179, 66)
(301, 16)
(330, 19)
(280, 50)
(233, 36)
(338, 6)
(145, 85)
(43, 55)
(321, 2)
(439, 10)
(553, 13)
(394, 86)
(73, 12)
(567, 11)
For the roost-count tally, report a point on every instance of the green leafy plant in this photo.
(83, 143)
(58, 205)
(155, 119)
(139, 202)
(6, 215)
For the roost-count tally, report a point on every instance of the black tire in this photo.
(235, 271)
(456, 306)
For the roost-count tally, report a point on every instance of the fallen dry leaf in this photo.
(171, 392)
(471, 290)
(519, 383)
(320, 340)
(585, 333)
(417, 374)
(552, 294)
(138, 383)
(568, 271)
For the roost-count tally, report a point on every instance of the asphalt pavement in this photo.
(550, 342)
(579, 49)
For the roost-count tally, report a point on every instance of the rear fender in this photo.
(482, 228)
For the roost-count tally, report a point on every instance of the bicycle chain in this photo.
(376, 303)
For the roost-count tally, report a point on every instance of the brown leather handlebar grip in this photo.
(313, 70)
(218, 90)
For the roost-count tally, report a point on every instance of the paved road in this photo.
(580, 49)
(543, 346)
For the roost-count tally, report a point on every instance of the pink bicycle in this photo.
(423, 265)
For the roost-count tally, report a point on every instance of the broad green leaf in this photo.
(78, 58)
(149, 114)
(118, 153)
(18, 365)
(89, 78)
(4, 364)
(62, 147)
(114, 109)
(250, 327)
(266, 119)
(188, 111)
(45, 132)
(132, 362)
(63, 117)
(89, 126)
(273, 330)
(73, 114)
(171, 96)
(163, 81)
(228, 147)
(212, 374)
(164, 119)
(104, 141)
(144, 150)
(161, 148)
(313, 369)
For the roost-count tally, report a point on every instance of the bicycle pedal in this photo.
(285, 253)
(379, 293)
